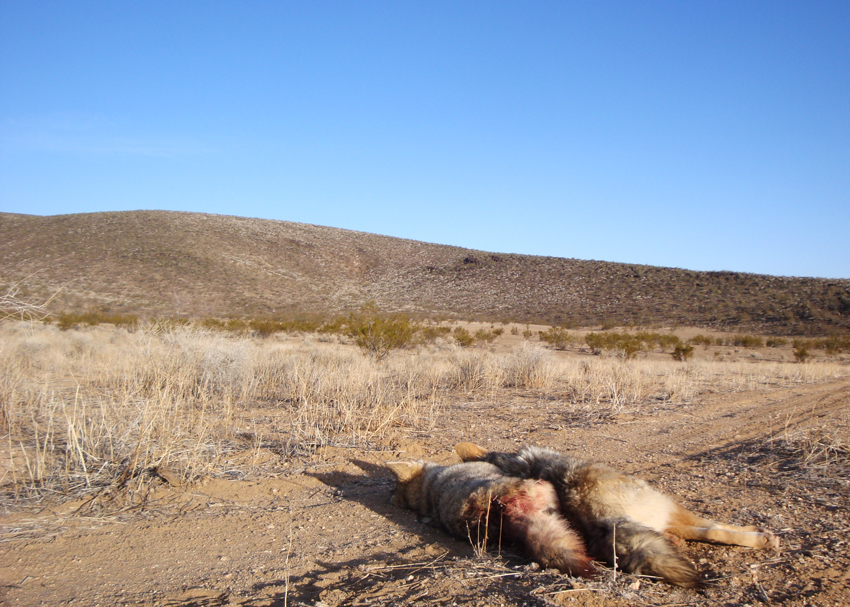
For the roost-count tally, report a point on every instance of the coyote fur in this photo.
(477, 501)
(625, 522)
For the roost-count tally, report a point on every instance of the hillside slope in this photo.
(162, 262)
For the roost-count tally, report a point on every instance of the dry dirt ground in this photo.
(320, 530)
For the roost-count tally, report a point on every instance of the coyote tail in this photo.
(643, 551)
(532, 518)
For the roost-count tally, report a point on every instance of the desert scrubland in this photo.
(175, 465)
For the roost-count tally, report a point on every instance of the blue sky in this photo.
(702, 135)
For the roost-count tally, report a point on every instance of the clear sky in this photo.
(702, 135)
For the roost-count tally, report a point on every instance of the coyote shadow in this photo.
(377, 575)
(373, 490)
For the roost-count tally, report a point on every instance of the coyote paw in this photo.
(769, 541)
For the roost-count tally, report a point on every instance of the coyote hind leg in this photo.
(689, 526)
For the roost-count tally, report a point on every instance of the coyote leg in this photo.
(689, 526)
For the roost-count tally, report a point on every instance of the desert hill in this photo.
(193, 264)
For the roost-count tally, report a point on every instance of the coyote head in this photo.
(408, 489)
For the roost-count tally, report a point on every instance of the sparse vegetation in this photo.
(801, 352)
(176, 397)
(191, 349)
(223, 273)
(628, 345)
(682, 352)
(93, 318)
(378, 334)
(463, 337)
(430, 334)
(702, 340)
(746, 341)
(557, 337)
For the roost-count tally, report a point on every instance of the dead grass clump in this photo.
(817, 448)
(82, 410)
(85, 409)
(474, 370)
(529, 366)
(607, 386)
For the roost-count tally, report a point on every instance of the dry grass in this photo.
(105, 407)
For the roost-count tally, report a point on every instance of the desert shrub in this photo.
(659, 340)
(428, 335)
(682, 352)
(775, 342)
(835, 344)
(482, 335)
(264, 328)
(557, 337)
(336, 325)
(93, 318)
(832, 345)
(235, 325)
(801, 351)
(377, 334)
(463, 337)
(211, 324)
(474, 370)
(747, 341)
(529, 366)
(628, 345)
(101, 406)
(701, 340)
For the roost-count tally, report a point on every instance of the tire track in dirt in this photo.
(725, 419)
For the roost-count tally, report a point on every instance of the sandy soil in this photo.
(321, 531)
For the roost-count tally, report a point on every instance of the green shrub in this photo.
(557, 337)
(462, 337)
(835, 344)
(801, 352)
(701, 340)
(629, 344)
(428, 335)
(93, 318)
(235, 325)
(747, 341)
(485, 336)
(212, 324)
(265, 327)
(682, 352)
(377, 334)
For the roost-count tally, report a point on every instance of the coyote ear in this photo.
(405, 471)
(470, 452)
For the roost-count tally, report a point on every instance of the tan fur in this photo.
(478, 501)
(598, 499)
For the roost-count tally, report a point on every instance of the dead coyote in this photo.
(613, 509)
(479, 502)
